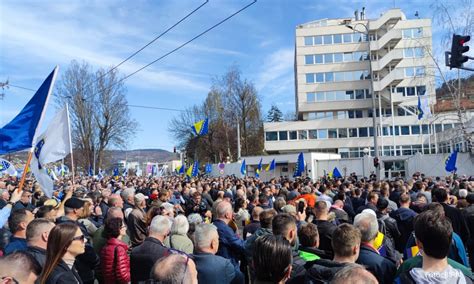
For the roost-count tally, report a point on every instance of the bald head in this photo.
(256, 212)
(175, 268)
(114, 212)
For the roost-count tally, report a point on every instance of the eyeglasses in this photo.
(81, 238)
(173, 251)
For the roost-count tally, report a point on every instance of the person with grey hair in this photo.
(136, 220)
(178, 238)
(206, 241)
(232, 247)
(193, 220)
(4, 197)
(128, 196)
(354, 273)
(175, 269)
(383, 268)
(144, 256)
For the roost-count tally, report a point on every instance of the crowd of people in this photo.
(238, 230)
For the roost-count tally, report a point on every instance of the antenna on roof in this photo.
(356, 14)
(362, 13)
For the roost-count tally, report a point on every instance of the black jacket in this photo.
(322, 271)
(404, 218)
(144, 256)
(63, 274)
(38, 253)
(325, 229)
(458, 221)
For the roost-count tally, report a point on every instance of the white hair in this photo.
(204, 234)
(180, 225)
(194, 218)
(368, 226)
(127, 192)
(160, 225)
(222, 208)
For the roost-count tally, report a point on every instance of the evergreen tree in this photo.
(274, 114)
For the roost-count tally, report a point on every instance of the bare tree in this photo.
(100, 116)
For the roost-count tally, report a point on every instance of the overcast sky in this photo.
(35, 36)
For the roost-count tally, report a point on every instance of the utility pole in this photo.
(238, 141)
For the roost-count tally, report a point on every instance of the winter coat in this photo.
(322, 271)
(207, 264)
(230, 245)
(180, 242)
(382, 268)
(144, 256)
(404, 217)
(62, 274)
(115, 262)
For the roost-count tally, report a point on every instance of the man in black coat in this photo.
(144, 256)
(37, 234)
(454, 215)
(325, 227)
(212, 269)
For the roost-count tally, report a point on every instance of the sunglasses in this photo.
(81, 238)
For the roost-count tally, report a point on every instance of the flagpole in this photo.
(30, 155)
(70, 143)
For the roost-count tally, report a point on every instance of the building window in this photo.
(318, 40)
(320, 77)
(342, 132)
(308, 59)
(338, 57)
(327, 39)
(328, 58)
(410, 91)
(302, 135)
(338, 38)
(310, 97)
(425, 129)
(330, 96)
(322, 133)
(271, 136)
(308, 40)
(310, 78)
(352, 132)
(438, 128)
(359, 94)
(421, 90)
(415, 129)
(318, 58)
(405, 130)
(412, 33)
(347, 38)
(342, 114)
(293, 135)
(320, 97)
(283, 135)
(313, 134)
(329, 77)
(363, 132)
(332, 133)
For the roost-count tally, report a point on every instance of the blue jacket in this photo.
(16, 244)
(230, 245)
(214, 269)
(382, 268)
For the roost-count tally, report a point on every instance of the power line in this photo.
(152, 41)
(159, 108)
(20, 87)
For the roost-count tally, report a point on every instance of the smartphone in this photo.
(301, 206)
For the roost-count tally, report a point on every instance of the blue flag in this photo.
(208, 168)
(19, 133)
(195, 171)
(116, 172)
(182, 169)
(299, 166)
(201, 127)
(90, 171)
(243, 168)
(259, 169)
(336, 173)
(271, 166)
(451, 162)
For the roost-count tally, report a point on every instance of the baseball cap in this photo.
(74, 203)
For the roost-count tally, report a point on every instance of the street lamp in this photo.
(374, 122)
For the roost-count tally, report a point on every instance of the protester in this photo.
(65, 242)
(178, 238)
(354, 274)
(254, 224)
(175, 269)
(18, 222)
(346, 246)
(37, 234)
(113, 257)
(433, 233)
(272, 259)
(144, 256)
(382, 268)
(325, 227)
(19, 268)
(206, 241)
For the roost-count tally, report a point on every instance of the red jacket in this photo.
(115, 262)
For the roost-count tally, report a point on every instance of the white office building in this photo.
(336, 98)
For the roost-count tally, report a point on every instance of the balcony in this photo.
(392, 37)
(393, 57)
(391, 16)
(392, 78)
